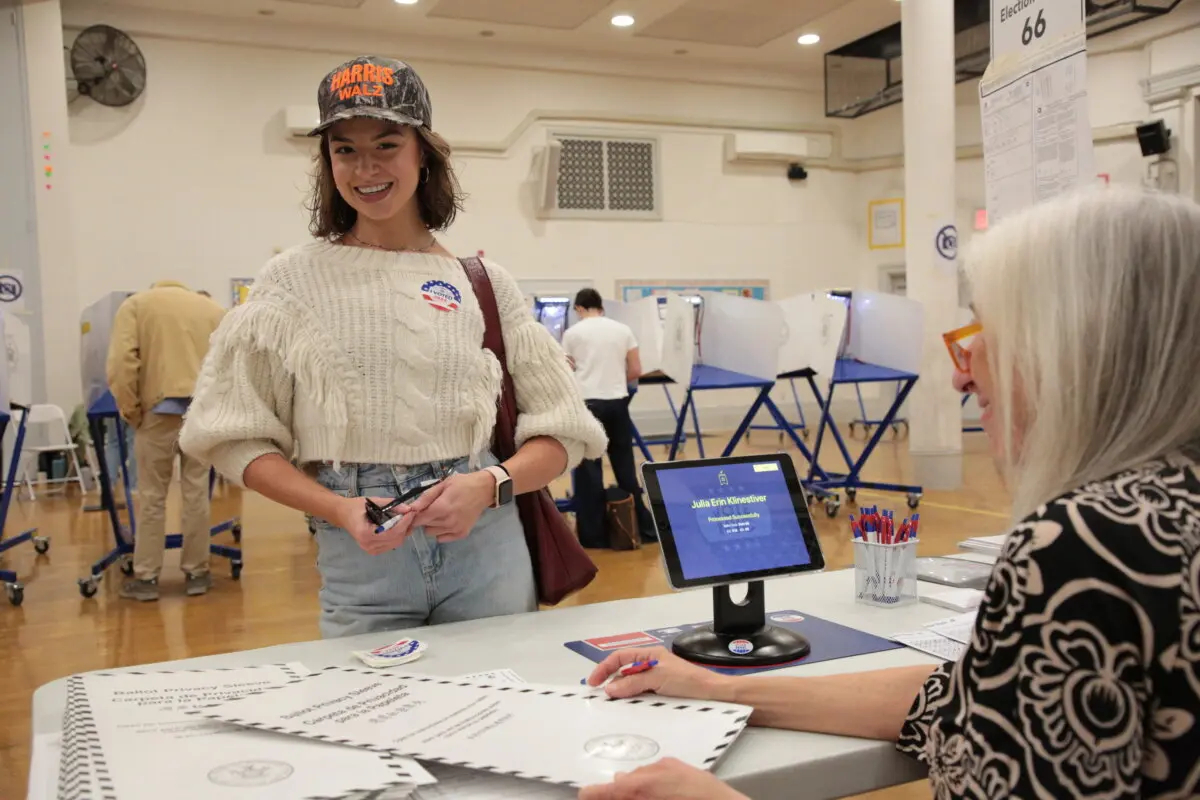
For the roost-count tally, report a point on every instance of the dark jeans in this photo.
(589, 476)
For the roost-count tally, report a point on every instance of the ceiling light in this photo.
(808, 38)
(622, 20)
(407, 2)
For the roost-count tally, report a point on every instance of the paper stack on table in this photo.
(933, 644)
(950, 597)
(492, 726)
(958, 627)
(988, 545)
(136, 735)
(946, 638)
(129, 735)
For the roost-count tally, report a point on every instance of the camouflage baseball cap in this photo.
(383, 88)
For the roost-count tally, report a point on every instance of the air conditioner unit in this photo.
(299, 120)
(767, 148)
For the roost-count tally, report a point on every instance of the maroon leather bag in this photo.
(560, 564)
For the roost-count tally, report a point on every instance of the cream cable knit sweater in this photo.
(342, 354)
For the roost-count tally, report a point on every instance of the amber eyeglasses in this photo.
(958, 341)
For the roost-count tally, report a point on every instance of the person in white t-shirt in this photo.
(604, 355)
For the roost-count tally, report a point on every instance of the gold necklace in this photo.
(425, 249)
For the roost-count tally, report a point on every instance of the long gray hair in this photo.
(1090, 307)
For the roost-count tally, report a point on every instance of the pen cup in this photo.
(885, 574)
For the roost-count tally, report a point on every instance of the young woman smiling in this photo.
(359, 357)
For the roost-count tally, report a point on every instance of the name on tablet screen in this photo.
(732, 519)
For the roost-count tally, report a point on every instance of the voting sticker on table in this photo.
(129, 735)
(570, 736)
(829, 641)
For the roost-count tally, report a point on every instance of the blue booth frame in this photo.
(41, 544)
(123, 536)
(849, 372)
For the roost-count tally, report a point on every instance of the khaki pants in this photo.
(157, 444)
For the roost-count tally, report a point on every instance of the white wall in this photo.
(1116, 102)
(199, 181)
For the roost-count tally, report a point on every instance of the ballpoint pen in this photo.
(626, 671)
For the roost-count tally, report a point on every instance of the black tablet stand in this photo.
(740, 635)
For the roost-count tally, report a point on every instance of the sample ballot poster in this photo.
(573, 736)
(829, 641)
(1037, 137)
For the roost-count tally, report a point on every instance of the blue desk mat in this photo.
(829, 641)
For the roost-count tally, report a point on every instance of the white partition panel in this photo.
(96, 329)
(5, 387)
(816, 323)
(678, 340)
(742, 335)
(887, 330)
(19, 361)
(642, 318)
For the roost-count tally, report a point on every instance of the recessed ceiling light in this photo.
(808, 38)
(407, 2)
(622, 20)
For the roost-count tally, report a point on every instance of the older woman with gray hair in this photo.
(1082, 678)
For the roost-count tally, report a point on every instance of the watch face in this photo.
(504, 492)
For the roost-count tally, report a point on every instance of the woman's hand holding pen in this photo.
(449, 510)
(351, 516)
(671, 676)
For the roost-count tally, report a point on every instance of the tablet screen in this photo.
(732, 519)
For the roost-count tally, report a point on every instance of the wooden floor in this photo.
(57, 632)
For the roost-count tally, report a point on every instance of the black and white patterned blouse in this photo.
(1082, 679)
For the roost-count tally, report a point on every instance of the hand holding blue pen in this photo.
(625, 671)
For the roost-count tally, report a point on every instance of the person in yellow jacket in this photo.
(159, 341)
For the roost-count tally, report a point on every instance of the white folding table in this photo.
(763, 763)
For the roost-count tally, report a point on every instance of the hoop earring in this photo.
(424, 175)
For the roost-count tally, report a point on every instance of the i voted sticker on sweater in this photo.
(441, 295)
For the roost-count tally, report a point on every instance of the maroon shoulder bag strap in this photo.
(560, 564)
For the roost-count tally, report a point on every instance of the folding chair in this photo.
(54, 421)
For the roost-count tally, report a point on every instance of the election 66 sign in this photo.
(1024, 25)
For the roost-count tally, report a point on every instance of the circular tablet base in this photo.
(766, 647)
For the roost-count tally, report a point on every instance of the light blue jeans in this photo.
(422, 582)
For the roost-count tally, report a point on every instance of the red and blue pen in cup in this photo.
(885, 557)
(879, 527)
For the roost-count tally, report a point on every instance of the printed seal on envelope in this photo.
(248, 774)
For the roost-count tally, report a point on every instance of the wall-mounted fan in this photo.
(107, 66)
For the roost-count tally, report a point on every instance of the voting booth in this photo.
(646, 317)
(816, 336)
(882, 344)
(716, 341)
(96, 327)
(12, 587)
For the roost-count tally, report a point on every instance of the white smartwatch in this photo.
(504, 486)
